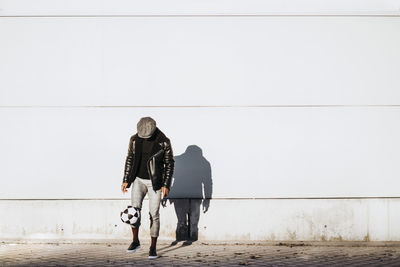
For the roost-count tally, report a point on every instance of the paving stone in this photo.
(198, 254)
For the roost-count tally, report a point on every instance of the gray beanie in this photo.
(146, 127)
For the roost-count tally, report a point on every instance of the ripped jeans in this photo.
(139, 189)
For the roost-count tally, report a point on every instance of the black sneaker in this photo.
(133, 247)
(153, 253)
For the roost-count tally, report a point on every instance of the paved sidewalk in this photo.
(201, 254)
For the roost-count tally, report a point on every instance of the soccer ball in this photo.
(131, 216)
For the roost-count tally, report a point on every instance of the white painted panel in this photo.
(280, 219)
(200, 61)
(252, 152)
(196, 7)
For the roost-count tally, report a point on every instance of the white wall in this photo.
(253, 152)
(191, 61)
(226, 219)
(195, 7)
(285, 100)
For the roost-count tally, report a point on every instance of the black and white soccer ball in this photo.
(131, 216)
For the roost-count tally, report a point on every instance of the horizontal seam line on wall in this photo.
(208, 106)
(272, 198)
(202, 15)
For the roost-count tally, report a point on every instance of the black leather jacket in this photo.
(160, 165)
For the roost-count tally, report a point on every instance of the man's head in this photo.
(146, 127)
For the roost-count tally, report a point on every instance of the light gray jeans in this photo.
(139, 189)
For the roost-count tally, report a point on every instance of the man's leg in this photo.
(154, 210)
(138, 192)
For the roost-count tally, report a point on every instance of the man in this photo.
(149, 167)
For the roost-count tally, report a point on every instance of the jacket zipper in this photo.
(148, 171)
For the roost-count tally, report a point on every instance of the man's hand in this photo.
(206, 204)
(164, 192)
(123, 188)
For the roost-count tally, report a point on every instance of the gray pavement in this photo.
(200, 253)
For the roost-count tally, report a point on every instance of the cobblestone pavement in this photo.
(201, 254)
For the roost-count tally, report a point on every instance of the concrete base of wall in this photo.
(371, 219)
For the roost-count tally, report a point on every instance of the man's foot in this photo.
(133, 246)
(153, 253)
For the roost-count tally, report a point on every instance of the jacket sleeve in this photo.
(169, 164)
(129, 161)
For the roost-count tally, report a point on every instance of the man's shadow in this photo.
(191, 189)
